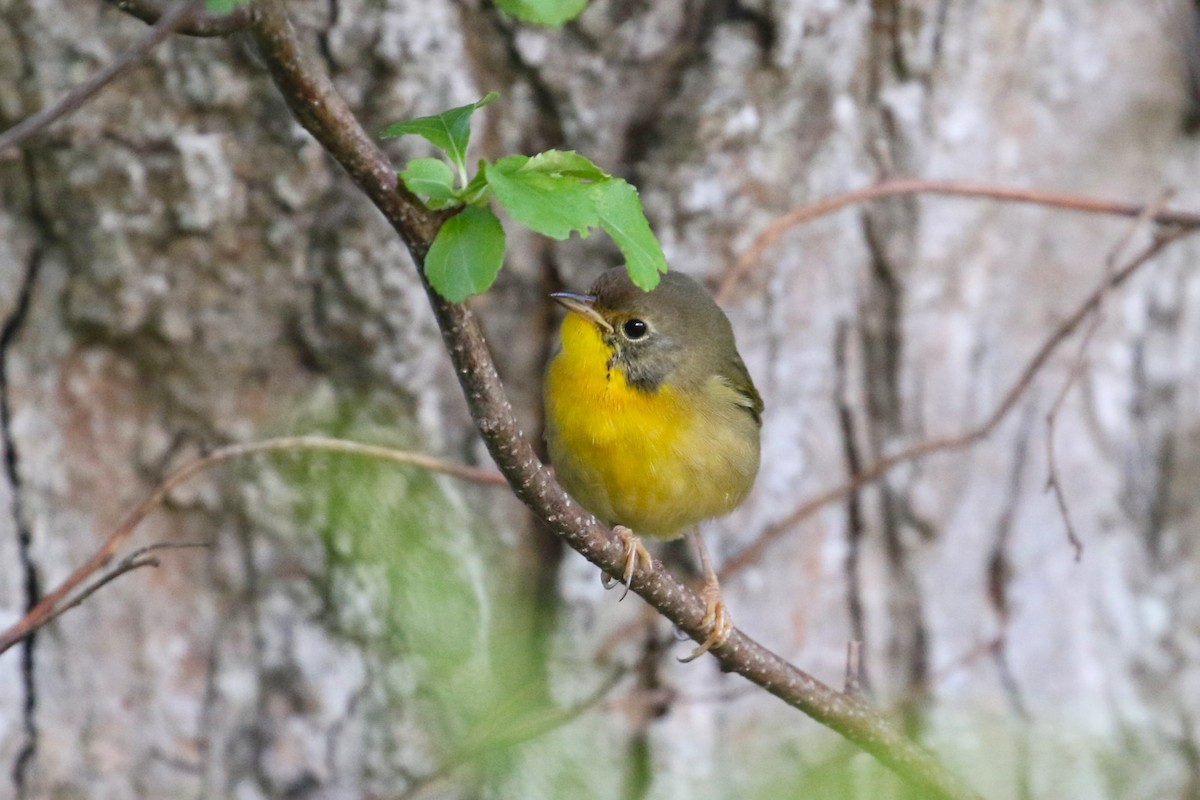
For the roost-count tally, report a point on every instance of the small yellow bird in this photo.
(652, 420)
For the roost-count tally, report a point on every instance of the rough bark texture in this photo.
(180, 266)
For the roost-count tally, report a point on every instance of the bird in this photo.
(652, 421)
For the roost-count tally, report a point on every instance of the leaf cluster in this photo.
(555, 193)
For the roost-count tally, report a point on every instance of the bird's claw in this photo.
(716, 619)
(635, 551)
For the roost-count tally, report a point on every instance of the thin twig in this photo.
(135, 560)
(754, 551)
(45, 610)
(165, 26)
(1053, 480)
(1053, 483)
(982, 191)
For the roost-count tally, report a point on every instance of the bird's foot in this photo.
(635, 551)
(716, 619)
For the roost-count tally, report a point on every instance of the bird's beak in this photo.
(583, 305)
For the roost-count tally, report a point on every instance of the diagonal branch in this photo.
(1053, 479)
(165, 26)
(51, 605)
(134, 561)
(315, 103)
(754, 551)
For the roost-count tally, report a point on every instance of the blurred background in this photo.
(181, 266)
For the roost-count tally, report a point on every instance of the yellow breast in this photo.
(655, 461)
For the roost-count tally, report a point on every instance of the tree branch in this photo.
(135, 560)
(806, 213)
(1113, 279)
(1053, 479)
(49, 606)
(166, 25)
(315, 103)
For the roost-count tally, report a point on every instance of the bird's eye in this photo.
(635, 329)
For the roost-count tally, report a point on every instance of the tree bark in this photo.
(182, 266)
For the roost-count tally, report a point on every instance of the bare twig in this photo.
(983, 191)
(1053, 480)
(47, 607)
(165, 26)
(753, 551)
(135, 560)
(318, 107)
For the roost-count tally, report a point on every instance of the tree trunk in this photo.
(181, 266)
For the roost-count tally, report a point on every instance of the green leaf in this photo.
(466, 256)
(543, 12)
(450, 131)
(565, 162)
(551, 204)
(430, 177)
(622, 217)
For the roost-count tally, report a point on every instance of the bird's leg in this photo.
(716, 615)
(635, 551)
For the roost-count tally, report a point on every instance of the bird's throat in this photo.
(585, 354)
